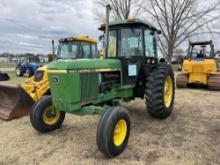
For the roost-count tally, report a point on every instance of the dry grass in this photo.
(7, 65)
(189, 136)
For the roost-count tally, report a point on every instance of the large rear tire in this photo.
(113, 131)
(160, 91)
(44, 118)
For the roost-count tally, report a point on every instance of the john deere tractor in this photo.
(85, 86)
(200, 67)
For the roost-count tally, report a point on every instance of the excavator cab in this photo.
(199, 67)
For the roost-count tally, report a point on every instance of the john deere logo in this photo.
(55, 79)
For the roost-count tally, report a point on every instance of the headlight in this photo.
(38, 76)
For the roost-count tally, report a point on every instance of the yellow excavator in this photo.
(200, 67)
(16, 101)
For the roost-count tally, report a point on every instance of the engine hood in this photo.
(84, 64)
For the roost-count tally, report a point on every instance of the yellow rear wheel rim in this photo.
(168, 91)
(50, 116)
(120, 132)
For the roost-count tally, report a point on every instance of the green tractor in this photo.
(129, 69)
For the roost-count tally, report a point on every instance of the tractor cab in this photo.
(201, 50)
(133, 42)
(77, 47)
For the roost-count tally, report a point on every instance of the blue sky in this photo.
(30, 25)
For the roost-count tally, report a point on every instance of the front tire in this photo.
(44, 118)
(160, 91)
(113, 131)
(19, 71)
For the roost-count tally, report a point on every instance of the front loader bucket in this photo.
(14, 102)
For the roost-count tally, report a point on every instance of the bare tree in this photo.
(121, 9)
(180, 19)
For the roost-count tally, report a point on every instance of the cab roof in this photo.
(79, 38)
(130, 21)
(201, 43)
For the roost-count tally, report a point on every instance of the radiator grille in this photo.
(89, 85)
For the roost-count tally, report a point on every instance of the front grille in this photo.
(89, 85)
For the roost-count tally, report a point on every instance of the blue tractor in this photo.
(28, 66)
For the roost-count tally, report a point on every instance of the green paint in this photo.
(90, 110)
(74, 91)
(82, 64)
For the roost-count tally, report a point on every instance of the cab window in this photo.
(150, 50)
(64, 50)
(131, 42)
(68, 50)
(112, 44)
(200, 51)
(94, 51)
(73, 51)
(85, 50)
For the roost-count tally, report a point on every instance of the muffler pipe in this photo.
(108, 8)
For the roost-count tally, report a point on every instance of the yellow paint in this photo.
(199, 71)
(57, 71)
(112, 48)
(50, 116)
(168, 91)
(36, 90)
(120, 132)
(80, 38)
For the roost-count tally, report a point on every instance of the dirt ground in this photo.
(191, 135)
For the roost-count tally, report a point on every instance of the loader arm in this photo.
(37, 89)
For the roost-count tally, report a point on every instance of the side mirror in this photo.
(152, 33)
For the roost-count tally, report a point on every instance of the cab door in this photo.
(131, 54)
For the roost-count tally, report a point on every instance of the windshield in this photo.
(68, 50)
(200, 52)
(131, 42)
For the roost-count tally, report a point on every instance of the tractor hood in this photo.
(84, 64)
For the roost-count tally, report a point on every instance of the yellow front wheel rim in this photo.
(168, 91)
(120, 132)
(51, 116)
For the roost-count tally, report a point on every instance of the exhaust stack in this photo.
(53, 48)
(108, 8)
